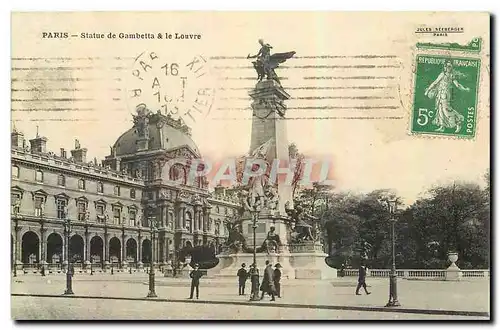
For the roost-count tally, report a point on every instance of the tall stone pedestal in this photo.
(269, 142)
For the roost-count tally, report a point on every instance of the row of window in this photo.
(61, 181)
(100, 207)
(226, 210)
(82, 209)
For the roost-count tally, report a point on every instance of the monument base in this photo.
(303, 261)
(308, 260)
(229, 264)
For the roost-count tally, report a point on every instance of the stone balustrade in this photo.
(419, 273)
(66, 164)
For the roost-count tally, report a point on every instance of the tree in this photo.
(454, 217)
(341, 226)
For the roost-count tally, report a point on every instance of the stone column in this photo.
(195, 219)
(43, 250)
(124, 249)
(183, 213)
(86, 250)
(167, 216)
(106, 249)
(17, 247)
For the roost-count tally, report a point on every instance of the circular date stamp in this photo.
(182, 87)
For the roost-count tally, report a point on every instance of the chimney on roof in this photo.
(63, 153)
(39, 143)
(79, 154)
(17, 139)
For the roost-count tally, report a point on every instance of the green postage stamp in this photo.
(445, 96)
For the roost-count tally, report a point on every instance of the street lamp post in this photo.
(69, 272)
(153, 226)
(393, 289)
(254, 271)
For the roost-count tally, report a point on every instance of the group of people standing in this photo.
(270, 281)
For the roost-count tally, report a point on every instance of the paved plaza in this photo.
(122, 296)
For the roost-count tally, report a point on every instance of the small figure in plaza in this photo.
(254, 278)
(277, 278)
(242, 279)
(362, 279)
(195, 275)
(265, 63)
(267, 285)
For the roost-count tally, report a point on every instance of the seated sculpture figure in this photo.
(272, 241)
(302, 230)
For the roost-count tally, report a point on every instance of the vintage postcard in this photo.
(250, 165)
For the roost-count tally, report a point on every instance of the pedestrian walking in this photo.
(267, 285)
(277, 278)
(195, 275)
(242, 278)
(361, 279)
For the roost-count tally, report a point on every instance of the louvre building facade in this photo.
(108, 210)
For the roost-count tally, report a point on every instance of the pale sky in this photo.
(352, 72)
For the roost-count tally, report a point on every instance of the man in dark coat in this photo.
(362, 279)
(277, 278)
(267, 285)
(242, 278)
(195, 281)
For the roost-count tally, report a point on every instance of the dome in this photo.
(164, 133)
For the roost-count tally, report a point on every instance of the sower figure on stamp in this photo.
(242, 278)
(362, 279)
(195, 275)
(277, 278)
(267, 285)
(441, 89)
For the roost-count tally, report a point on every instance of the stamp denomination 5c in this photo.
(445, 96)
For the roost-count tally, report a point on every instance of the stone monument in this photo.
(282, 233)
